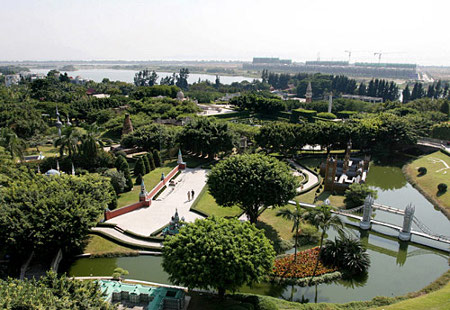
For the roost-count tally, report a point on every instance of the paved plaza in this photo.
(147, 220)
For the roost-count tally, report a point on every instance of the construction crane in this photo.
(379, 55)
(349, 55)
(384, 53)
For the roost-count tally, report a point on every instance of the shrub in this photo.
(308, 234)
(356, 193)
(326, 115)
(157, 158)
(139, 168)
(146, 164)
(118, 180)
(442, 187)
(266, 304)
(422, 170)
(346, 253)
(138, 179)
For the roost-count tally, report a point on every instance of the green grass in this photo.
(47, 150)
(435, 300)
(206, 203)
(151, 179)
(429, 182)
(98, 245)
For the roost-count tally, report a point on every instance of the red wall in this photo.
(111, 214)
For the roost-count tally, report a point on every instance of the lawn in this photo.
(206, 203)
(434, 300)
(151, 179)
(99, 245)
(47, 150)
(437, 172)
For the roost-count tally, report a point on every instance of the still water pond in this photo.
(397, 268)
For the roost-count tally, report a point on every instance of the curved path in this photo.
(313, 180)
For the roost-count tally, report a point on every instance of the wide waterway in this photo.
(98, 75)
(396, 267)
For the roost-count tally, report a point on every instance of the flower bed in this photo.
(303, 266)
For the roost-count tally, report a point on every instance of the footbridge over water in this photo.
(405, 231)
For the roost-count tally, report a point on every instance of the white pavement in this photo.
(312, 178)
(144, 221)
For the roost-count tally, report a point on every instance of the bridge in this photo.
(434, 143)
(405, 231)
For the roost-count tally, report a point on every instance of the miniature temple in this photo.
(174, 225)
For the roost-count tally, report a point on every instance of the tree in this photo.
(145, 78)
(157, 158)
(91, 144)
(234, 253)
(296, 217)
(182, 81)
(356, 193)
(47, 213)
(207, 136)
(68, 141)
(323, 219)
(151, 161)
(139, 168)
(406, 94)
(52, 292)
(118, 180)
(252, 182)
(146, 164)
(12, 144)
(346, 253)
(149, 137)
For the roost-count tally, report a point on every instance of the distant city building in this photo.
(268, 60)
(101, 96)
(363, 98)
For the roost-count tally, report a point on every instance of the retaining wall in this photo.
(148, 200)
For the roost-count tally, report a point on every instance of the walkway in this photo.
(313, 180)
(147, 220)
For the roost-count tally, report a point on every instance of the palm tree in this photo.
(68, 141)
(90, 142)
(323, 219)
(13, 144)
(296, 217)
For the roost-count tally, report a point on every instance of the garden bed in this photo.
(286, 268)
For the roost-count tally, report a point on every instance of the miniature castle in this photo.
(340, 174)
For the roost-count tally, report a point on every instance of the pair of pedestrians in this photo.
(190, 194)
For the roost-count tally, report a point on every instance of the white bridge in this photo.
(405, 231)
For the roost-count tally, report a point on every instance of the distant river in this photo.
(98, 75)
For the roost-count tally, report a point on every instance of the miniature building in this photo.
(180, 95)
(174, 225)
(340, 174)
(127, 126)
(309, 93)
(169, 298)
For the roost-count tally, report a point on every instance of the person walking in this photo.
(192, 194)
(189, 196)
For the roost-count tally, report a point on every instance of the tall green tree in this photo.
(139, 168)
(68, 141)
(406, 94)
(252, 182)
(207, 136)
(234, 253)
(323, 219)
(157, 158)
(151, 161)
(296, 217)
(146, 164)
(12, 144)
(47, 213)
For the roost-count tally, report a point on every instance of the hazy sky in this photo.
(406, 31)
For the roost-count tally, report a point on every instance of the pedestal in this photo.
(364, 225)
(404, 236)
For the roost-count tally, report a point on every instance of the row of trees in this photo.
(384, 131)
(435, 90)
(149, 78)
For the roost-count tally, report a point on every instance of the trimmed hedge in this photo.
(159, 192)
(328, 277)
(326, 115)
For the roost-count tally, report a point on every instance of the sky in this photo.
(404, 31)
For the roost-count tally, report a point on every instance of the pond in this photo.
(396, 267)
